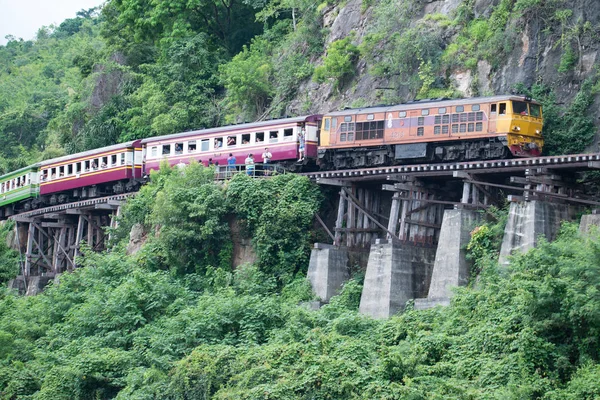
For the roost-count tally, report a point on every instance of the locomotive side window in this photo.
(479, 127)
(334, 123)
(166, 150)
(442, 110)
(327, 121)
(153, 153)
(463, 128)
(421, 121)
(424, 112)
(455, 118)
(273, 136)
(192, 146)
(494, 109)
(471, 127)
(368, 130)
(420, 131)
(349, 119)
(402, 114)
(475, 107)
(204, 145)
(479, 116)
(347, 132)
(502, 108)
(471, 116)
(445, 129)
(536, 110)
(288, 134)
(446, 119)
(438, 119)
(437, 130)
(460, 109)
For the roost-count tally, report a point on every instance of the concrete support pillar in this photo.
(328, 270)
(396, 273)
(450, 268)
(588, 221)
(527, 221)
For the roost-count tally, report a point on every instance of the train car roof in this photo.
(220, 129)
(89, 153)
(417, 104)
(19, 171)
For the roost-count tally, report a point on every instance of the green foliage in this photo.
(484, 247)
(339, 62)
(9, 258)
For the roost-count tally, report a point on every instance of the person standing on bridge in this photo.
(266, 161)
(249, 164)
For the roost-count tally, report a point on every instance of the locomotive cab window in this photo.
(520, 107)
(288, 134)
(327, 124)
(502, 109)
(246, 138)
(273, 136)
(494, 109)
(536, 110)
(166, 150)
(192, 146)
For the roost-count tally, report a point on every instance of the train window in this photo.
(380, 125)
(348, 118)
(260, 137)
(455, 118)
(502, 109)
(424, 112)
(61, 171)
(87, 166)
(104, 163)
(113, 160)
(479, 116)
(344, 127)
(437, 130)
(205, 145)
(166, 150)
(218, 143)
(370, 117)
(471, 127)
(327, 120)
(351, 136)
(475, 107)
(122, 158)
(446, 119)
(273, 136)
(442, 110)
(536, 110)
(463, 117)
(460, 109)
(246, 138)
(288, 134)
(192, 146)
(445, 129)
(520, 107)
(438, 119)
(179, 148)
(479, 126)
(231, 141)
(333, 124)
(420, 131)
(421, 121)
(343, 137)
(153, 152)
(70, 169)
(471, 116)
(78, 166)
(402, 114)
(463, 128)
(494, 109)
(53, 173)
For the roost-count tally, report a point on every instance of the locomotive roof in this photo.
(88, 153)
(417, 104)
(220, 129)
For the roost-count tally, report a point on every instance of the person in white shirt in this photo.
(249, 164)
(267, 160)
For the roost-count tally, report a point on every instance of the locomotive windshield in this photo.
(536, 110)
(520, 107)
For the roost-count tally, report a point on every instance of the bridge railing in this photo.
(257, 170)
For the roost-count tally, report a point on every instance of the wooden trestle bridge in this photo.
(402, 203)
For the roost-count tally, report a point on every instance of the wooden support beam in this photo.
(74, 211)
(52, 216)
(53, 224)
(325, 227)
(117, 203)
(394, 213)
(340, 219)
(333, 182)
(104, 206)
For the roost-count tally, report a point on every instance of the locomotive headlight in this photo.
(516, 128)
(537, 131)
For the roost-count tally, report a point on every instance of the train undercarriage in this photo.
(452, 151)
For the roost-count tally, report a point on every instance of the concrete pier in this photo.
(588, 221)
(527, 221)
(328, 270)
(396, 273)
(451, 268)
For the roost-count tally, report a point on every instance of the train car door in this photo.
(414, 118)
(325, 132)
(503, 119)
(492, 116)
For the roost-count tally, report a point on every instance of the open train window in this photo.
(494, 109)
(288, 134)
(87, 166)
(179, 148)
(204, 145)
(104, 162)
(273, 136)
(231, 141)
(502, 108)
(77, 168)
(192, 146)
(70, 169)
(122, 158)
(246, 138)
(166, 150)
(113, 160)
(260, 137)
(61, 171)
(153, 153)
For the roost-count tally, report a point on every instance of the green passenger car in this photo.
(19, 185)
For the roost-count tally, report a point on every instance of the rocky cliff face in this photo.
(554, 43)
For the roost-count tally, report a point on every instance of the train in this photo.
(440, 130)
